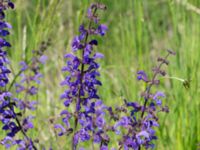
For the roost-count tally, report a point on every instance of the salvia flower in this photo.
(139, 122)
(8, 116)
(12, 121)
(141, 75)
(82, 81)
(30, 80)
(25, 90)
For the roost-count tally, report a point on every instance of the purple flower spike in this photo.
(82, 81)
(138, 121)
(9, 118)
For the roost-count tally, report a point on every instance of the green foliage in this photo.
(139, 30)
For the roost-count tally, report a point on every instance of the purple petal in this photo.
(98, 55)
(62, 129)
(43, 59)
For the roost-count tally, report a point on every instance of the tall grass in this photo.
(138, 32)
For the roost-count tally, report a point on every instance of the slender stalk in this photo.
(176, 78)
(16, 76)
(92, 141)
(147, 92)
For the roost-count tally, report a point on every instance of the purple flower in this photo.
(31, 105)
(23, 65)
(32, 90)
(98, 55)
(76, 43)
(75, 139)
(124, 121)
(43, 59)
(27, 124)
(141, 75)
(4, 95)
(62, 129)
(104, 147)
(8, 142)
(8, 116)
(11, 5)
(84, 135)
(157, 96)
(82, 81)
(9, 105)
(102, 29)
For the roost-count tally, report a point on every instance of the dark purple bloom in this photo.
(27, 124)
(76, 43)
(93, 42)
(11, 5)
(84, 135)
(4, 33)
(82, 30)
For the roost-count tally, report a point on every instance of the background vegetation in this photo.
(139, 31)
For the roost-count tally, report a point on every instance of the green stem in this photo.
(176, 78)
(16, 76)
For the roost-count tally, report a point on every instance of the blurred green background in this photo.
(139, 32)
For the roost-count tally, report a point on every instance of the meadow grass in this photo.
(139, 31)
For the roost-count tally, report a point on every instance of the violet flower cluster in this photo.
(30, 75)
(13, 121)
(25, 90)
(82, 81)
(137, 123)
(8, 117)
